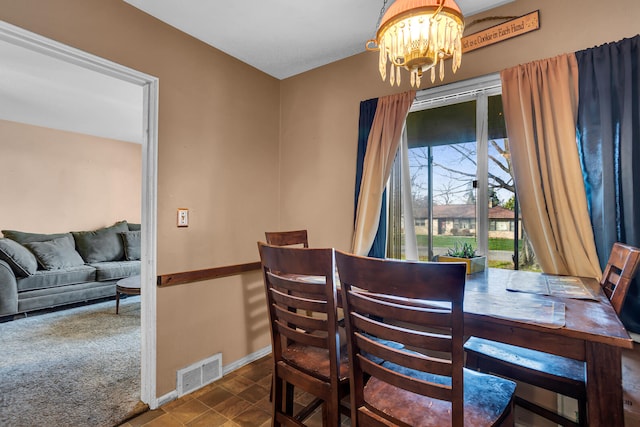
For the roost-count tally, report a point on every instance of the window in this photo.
(452, 178)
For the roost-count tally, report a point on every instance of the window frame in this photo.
(478, 89)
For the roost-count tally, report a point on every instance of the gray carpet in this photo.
(75, 367)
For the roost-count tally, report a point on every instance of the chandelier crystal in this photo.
(417, 35)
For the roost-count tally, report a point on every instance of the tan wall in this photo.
(220, 126)
(218, 154)
(56, 181)
(320, 108)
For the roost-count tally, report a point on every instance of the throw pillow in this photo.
(23, 237)
(22, 262)
(56, 254)
(101, 245)
(132, 247)
(134, 227)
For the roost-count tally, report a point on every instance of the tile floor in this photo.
(241, 398)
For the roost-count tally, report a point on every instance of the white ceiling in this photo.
(280, 37)
(40, 90)
(283, 37)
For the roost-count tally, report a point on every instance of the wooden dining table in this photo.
(583, 329)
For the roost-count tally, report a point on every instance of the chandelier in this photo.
(417, 35)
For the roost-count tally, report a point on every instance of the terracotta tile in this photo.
(168, 407)
(246, 368)
(189, 410)
(265, 382)
(302, 397)
(253, 393)
(264, 404)
(315, 420)
(237, 384)
(266, 358)
(204, 390)
(166, 420)
(227, 377)
(232, 407)
(210, 418)
(252, 417)
(256, 372)
(215, 397)
(146, 417)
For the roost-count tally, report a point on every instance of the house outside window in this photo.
(457, 175)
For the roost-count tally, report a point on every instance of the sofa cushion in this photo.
(43, 279)
(22, 237)
(115, 270)
(131, 241)
(101, 245)
(19, 258)
(56, 254)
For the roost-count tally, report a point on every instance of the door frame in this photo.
(29, 40)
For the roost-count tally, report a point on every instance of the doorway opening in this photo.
(149, 130)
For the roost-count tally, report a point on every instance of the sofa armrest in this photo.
(8, 290)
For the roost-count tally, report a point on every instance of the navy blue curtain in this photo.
(367, 113)
(609, 145)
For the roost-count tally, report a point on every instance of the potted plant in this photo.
(464, 252)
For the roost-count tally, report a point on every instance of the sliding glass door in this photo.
(452, 181)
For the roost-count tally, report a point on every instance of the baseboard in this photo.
(173, 395)
(246, 360)
(169, 397)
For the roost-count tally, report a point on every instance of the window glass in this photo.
(445, 175)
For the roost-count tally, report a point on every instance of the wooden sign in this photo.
(507, 30)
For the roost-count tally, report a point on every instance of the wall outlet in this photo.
(183, 217)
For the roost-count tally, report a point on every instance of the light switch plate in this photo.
(183, 217)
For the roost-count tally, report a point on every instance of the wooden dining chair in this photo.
(306, 348)
(425, 383)
(555, 373)
(287, 238)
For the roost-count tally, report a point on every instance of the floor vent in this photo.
(199, 374)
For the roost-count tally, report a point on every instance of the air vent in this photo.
(199, 374)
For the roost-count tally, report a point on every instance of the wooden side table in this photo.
(128, 286)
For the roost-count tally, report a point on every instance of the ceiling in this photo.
(283, 37)
(41, 90)
(279, 37)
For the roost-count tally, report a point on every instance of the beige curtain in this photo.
(540, 102)
(384, 139)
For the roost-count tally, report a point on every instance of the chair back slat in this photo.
(416, 304)
(373, 305)
(619, 272)
(299, 320)
(298, 301)
(301, 337)
(285, 269)
(412, 384)
(287, 238)
(412, 360)
(300, 289)
(409, 337)
(293, 283)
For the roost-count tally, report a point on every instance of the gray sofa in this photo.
(39, 271)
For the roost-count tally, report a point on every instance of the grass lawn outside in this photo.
(449, 241)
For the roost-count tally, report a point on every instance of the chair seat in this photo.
(530, 366)
(315, 361)
(486, 398)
